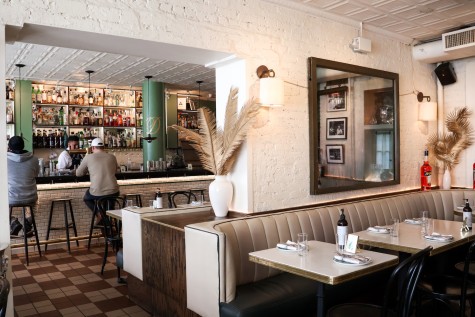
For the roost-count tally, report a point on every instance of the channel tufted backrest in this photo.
(261, 232)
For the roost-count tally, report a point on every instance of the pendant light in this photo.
(199, 82)
(90, 97)
(20, 66)
(149, 137)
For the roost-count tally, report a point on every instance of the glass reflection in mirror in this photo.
(354, 129)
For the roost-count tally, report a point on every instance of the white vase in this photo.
(446, 180)
(220, 195)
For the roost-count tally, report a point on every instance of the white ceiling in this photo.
(408, 20)
(47, 59)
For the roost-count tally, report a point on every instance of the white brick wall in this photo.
(260, 33)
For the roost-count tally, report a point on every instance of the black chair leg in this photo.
(104, 260)
(73, 221)
(35, 230)
(49, 225)
(25, 238)
(66, 226)
(92, 226)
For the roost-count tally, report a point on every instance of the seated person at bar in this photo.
(65, 160)
(102, 167)
(22, 169)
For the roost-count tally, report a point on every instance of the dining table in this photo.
(318, 264)
(410, 239)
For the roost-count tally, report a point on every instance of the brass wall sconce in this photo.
(271, 90)
(420, 97)
(427, 110)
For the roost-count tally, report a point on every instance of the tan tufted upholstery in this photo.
(217, 258)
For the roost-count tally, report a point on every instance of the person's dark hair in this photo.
(16, 144)
(73, 138)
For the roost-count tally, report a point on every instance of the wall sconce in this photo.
(427, 110)
(271, 91)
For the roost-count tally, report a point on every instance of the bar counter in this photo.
(145, 184)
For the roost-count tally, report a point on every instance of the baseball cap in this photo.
(16, 143)
(97, 142)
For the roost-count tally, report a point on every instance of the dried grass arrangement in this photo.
(218, 148)
(447, 146)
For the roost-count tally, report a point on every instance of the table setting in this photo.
(379, 229)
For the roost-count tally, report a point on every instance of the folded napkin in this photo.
(289, 245)
(439, 237)
(351, 259)
(379, 229)
(413, 221)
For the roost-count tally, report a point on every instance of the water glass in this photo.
(340, 242)
(151, 203)
(130, 203)
(302, 244)
(395, 228)
(424, 217)
(429, 227)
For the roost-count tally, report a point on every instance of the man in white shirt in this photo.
(65, 161)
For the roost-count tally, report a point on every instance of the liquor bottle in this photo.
(51, 139)
(140, 101)
(33, 94)
(61, 116)
(342, 229)
(58, 138)
(59, 98)
(10, 93)
(114, 119)
(49, 97)
(9, 114)
(38, 95)
(65, 139)
(45, 139)
(120, 122)
(81, 140)
(44, 96)
(55, 96)
(34, 140)
(158, 199)
(467, 214)
(473, 175)
(99, 100)
(85, 118)
(426, 173)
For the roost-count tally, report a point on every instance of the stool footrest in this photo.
(62, 228)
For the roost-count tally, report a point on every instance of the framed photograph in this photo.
(335, 154)
(336, 128)
(334, 98)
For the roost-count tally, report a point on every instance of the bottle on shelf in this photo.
(61, 116)
(59, 98)
(44, 96)
(34, 140)
(467, 214)
(38, 95)
(342, 229)
(10, 93)
(426, 172)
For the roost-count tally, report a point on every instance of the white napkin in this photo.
(289, 245)
(379, 229)
(351, 259)
(413, 221)
(439, 237)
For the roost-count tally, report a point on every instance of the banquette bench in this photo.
(221, 281)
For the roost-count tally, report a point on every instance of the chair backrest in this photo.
(187, 194)
(4, 291)
(109, 203)
(402, 283)
(466, 268)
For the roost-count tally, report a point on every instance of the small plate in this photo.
(413, 221)
(353, 264)
(379, 232)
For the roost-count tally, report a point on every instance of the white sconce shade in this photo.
(428, 111)
(271, 92)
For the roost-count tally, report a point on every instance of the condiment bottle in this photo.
(342, 229)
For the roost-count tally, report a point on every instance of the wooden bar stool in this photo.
(136, 197)
(25, 234)
(66, 203)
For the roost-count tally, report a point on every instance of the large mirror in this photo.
(354, 127)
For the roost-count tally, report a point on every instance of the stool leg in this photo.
(140, 201)
(66, 225)
(74, 222)
(49, 225)
(25, 239)
(92, 226)
(35, 230)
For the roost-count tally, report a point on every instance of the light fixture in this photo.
(420, 97)
(271, 90)
(20, 66)
(199, 82)
(149, 138)
(90, 97)
(427, 111)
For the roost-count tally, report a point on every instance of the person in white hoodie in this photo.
(22, 168)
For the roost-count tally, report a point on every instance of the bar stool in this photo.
(66, 202)
(25, 234)
(136, 197)
(199, 190)
(188, 194)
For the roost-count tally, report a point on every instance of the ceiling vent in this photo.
(460, 39)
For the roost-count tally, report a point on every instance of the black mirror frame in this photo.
(314, 122)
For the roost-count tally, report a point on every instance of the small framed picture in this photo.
(335, 154)
(182, 103)
(336, 101)
(336, 128)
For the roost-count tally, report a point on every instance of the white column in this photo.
(470, 103)
(4, 213)
(234, 75)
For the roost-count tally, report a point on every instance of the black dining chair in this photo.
(4, 291)
(398, 294)
(188, 195)
(111, 230)
(447, 288)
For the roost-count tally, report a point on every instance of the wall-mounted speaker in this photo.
(446, 74)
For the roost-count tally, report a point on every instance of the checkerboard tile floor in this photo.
(62, 284)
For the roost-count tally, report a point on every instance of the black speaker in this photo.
(446, 74)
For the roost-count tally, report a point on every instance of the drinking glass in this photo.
(340, 242)
(424, 217)
(302, 244)
(151, 203)
(395, 228)
(130, 203)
